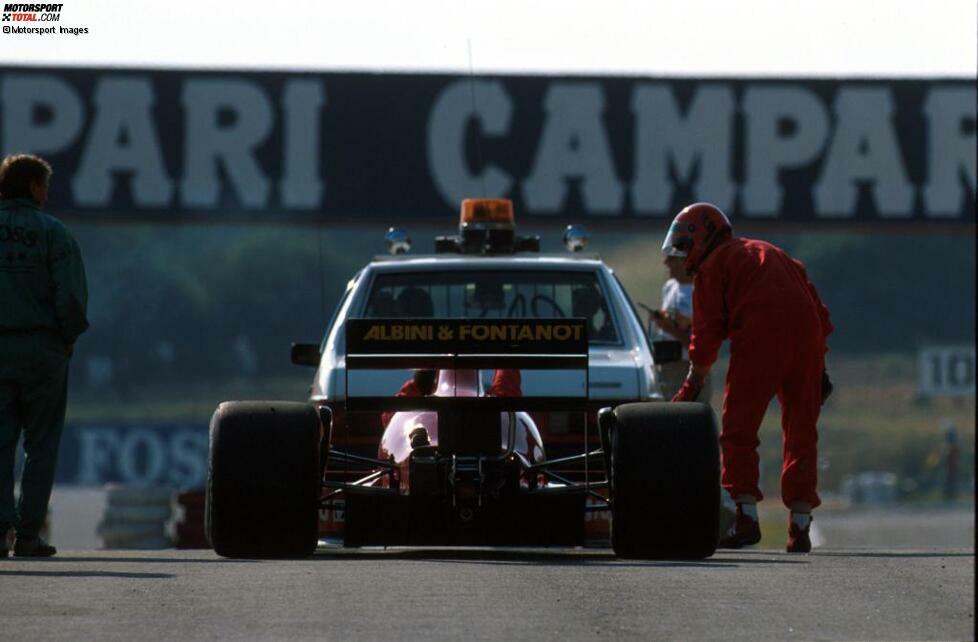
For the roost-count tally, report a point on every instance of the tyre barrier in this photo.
(135, 517)
(186, 529)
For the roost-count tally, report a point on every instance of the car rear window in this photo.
(494, 295)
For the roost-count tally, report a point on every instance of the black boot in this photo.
(746, 531)
(33, 547)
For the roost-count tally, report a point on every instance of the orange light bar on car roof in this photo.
(486, 210)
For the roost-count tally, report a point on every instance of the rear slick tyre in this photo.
(263, 480)
(665, 479)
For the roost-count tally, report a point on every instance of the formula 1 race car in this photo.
(455, 461)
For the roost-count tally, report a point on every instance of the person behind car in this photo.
(674, 320)
(755, 294)
(43, 301)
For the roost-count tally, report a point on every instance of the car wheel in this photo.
(665, 479)
(263, 480)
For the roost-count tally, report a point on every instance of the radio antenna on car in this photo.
(478, 141)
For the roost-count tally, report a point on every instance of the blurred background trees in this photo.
(186, 316)
(186, 303)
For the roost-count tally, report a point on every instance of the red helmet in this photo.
(695, 231)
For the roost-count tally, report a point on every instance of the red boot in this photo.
(745, 532)
(799, 540)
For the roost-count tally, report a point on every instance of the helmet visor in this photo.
(676, 242)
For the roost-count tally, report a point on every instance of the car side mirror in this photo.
(305, 354)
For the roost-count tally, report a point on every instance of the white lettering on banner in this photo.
(486, 102)
(207, 143)
(123, 140)
(951, 150)
(20, 97)
(947, 371)
(150, 444)
(188, 455)
(863, 148)
(698, 146)
(142, 456)
(96, 448)
(301, 186)
(574, 145)
(768, 152)
(788, 128)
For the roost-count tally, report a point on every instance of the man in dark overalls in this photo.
(43, 300)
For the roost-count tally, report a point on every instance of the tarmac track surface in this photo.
(373, 594)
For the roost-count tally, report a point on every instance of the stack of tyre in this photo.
(135, 517)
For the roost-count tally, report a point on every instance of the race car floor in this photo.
(491, 594)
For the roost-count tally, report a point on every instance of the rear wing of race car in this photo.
(458, 344)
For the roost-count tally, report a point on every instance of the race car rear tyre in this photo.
(263, 479)
(665, 481)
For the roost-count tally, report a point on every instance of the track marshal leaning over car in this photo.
(43, 301)
(760, 298)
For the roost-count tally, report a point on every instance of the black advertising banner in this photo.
(467, 336)
(183, 146)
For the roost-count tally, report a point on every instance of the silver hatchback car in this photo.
(497, 285)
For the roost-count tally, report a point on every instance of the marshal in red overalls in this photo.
(755, 294)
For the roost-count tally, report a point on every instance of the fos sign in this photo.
(176, 145)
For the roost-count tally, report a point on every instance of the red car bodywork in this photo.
(396, 441)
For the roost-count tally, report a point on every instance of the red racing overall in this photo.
(761, 298)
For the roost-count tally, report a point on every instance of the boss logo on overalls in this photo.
(10, 234)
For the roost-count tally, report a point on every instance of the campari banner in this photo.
(181, 146)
